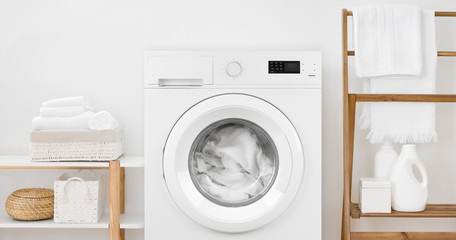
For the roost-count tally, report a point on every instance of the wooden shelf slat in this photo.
(437, 14)
(439, 53)
(403, 235)
(431, 211)
(404, 97)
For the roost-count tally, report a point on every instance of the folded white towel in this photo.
(405, 122)
(62, 111)
(103, 120)
(78, 122)
(65, 102)
(387, 40)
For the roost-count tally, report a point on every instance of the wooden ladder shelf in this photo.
(351, 210)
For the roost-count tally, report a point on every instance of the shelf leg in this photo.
(348, 167)
(345, 233)
(122, 190)
(114, 200)
(122, 198)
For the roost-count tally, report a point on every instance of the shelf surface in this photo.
(431, 211)
(437, 14)
(404, 97)
(403, 235)
(127, 221)
(439, 53)
(25, 162)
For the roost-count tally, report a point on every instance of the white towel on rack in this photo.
(387, 40)
(405, 122)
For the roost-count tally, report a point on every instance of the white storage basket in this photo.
(87, 145)
(79, 197)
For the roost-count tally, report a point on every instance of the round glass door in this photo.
(233, 163)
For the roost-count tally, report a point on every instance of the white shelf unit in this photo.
(26, 162)
(115, 222)
(127, 221)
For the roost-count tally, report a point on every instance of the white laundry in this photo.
(240, 144)
(267, 169)
(212, 160)
(221, 192)
(231, 179)
(201, 165)
(233, 165)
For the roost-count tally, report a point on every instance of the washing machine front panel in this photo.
(225, 194)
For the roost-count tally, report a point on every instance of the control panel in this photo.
(268, 68)
(284, 67)
(235, 68)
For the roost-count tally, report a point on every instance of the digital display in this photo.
(284, 67)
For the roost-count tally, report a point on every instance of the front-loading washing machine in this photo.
(232, 145)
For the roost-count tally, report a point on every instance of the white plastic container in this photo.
(79, 197)
(384, 159)
(374, 195)
(408, 193)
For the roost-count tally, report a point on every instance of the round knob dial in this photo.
(234, 69)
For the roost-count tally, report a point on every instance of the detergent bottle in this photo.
(384, 159)
(408, 193)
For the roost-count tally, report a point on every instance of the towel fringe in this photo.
(409, 136)
(365, 117)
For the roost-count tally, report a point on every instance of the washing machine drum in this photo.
(233, 163)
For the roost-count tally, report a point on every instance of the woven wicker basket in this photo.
(87, 145)
(30, 204)
(79, 197)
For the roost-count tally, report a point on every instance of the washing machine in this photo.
(232, 145)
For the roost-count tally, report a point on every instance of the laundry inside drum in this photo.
(233, 162)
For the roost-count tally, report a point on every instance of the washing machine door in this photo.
(233, 163)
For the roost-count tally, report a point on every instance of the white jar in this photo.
(374, 195)
(408, 193)
(384, 160)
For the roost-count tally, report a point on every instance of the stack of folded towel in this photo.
(69, 129)
(73, 113)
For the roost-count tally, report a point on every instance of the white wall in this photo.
(57, 48)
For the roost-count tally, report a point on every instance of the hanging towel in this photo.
(103, 120)
(405, 122)
(61, 111)
(78, 122)
(387, 40)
